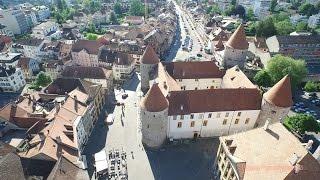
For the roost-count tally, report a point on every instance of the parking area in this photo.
(308, 103)
(186, 160)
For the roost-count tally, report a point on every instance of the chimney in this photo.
(294, 159)
(309, 145)
(266, 124)
(75, 103)
(57, 106)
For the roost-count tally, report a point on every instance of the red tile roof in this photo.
(154, 101)
(213, 100)
(194, 70)
(280, 94)
(238, 39)
(92, 47)
(149, 56)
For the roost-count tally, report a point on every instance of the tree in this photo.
(265, 28)
(42, 79)
(230, 11)
(117, 8)
(311, 86)
(234, 2)
(282, 16)
(240, 11)
(284, 27)
(302, 26)
(301, 123)
(91, 36)
(250, 15)
(136, 8)
(262, 78)
(113, 18)
(307, 9)
(273, 5)
(279, 66)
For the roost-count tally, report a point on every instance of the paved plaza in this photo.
(176, 160)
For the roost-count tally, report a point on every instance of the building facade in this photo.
(14, 20)
(11, 79)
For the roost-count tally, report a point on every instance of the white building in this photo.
(261, 8)
(42, 12)
(4, 30)
(189, 100)
(314, 21)
(47, 30)
(9, 59)
(29, 47)
(14, 20)
(123, 67)
(11, 79)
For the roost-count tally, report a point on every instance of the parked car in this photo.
(124, 96)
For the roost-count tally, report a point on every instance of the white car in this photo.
(110, 119)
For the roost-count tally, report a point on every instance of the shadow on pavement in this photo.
(96, 141)
(132, 83)
(187, 161)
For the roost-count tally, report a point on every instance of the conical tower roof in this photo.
(154, 101)
(219, 44)
(280, 94)
(238, 39)
(149, 56)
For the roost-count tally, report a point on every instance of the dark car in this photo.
(124, 96)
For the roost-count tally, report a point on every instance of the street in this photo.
(186, 28)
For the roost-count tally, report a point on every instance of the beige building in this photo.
(271, 152)
(85, 53)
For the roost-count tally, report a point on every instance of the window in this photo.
(205, 122)
(209, 115)
(182, 117)
(247, 120)
(196, 88)
(236, 121)
(196, 79)
(218, 115)
(148, 126)
(225, 121)
(179, 124)
(192, 124)
(191, 116)
(239, 113)
(227, 114)
(200, 116)
(174, 117)
(180, 80)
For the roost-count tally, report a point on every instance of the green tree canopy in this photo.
(302, 26)
(117, 8)
(312, 86)
(42, 79)
(91, 36)
(136, 8)
(113, 18)
(284, 27)
(262, 78)
(279, 66)
(307, 9)
(230, 11)
(301, 123)
(250, 15)
(265, 28)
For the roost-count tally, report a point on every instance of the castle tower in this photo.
(154, 117)
(148, 67)
(276, 102)
(236, 49)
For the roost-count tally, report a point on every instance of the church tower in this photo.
(154, 116)
(236, 49)
(148, 67)
(276, 102)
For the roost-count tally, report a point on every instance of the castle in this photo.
(198, 99)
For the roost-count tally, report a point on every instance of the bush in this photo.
(262, 78)
(301, 123)
(312, 86)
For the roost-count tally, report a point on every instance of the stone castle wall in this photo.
(234, 57)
